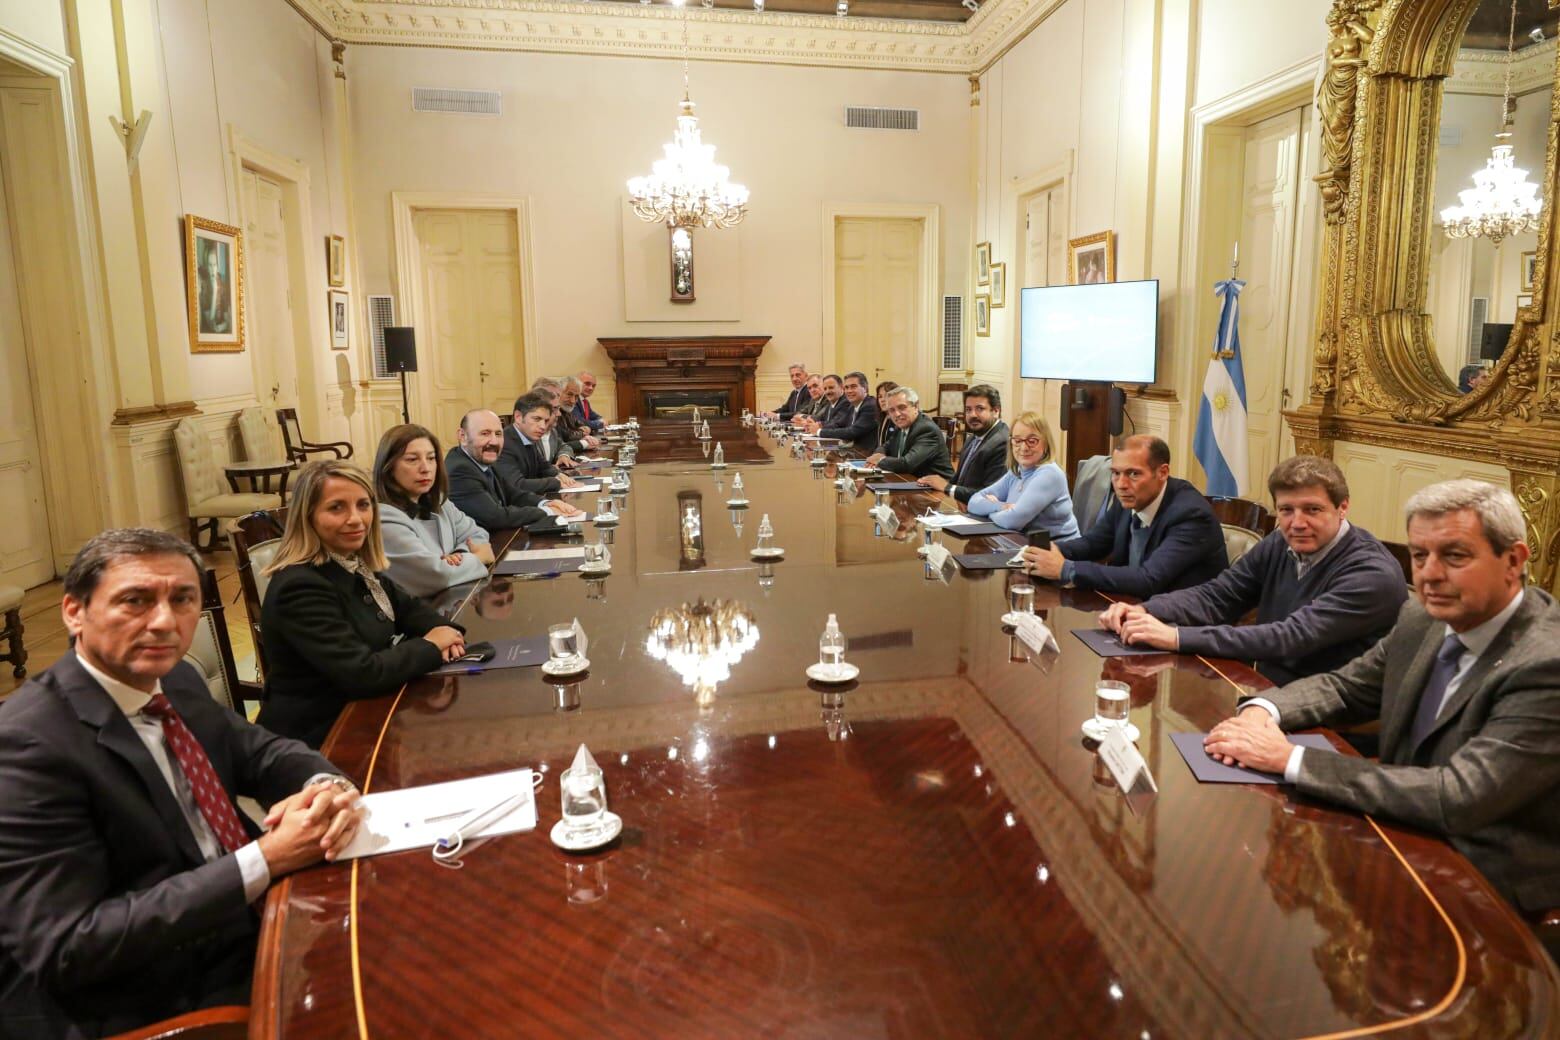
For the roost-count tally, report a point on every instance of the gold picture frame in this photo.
(999, 285)
(214, 285)
(1091, 259)
(336, 260)
(982, 314)
(982, 263)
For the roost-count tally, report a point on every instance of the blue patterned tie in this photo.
(1137, 540)
(1430, 700)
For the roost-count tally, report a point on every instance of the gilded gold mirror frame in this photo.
(1375, 378)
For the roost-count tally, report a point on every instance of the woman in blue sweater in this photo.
(1032, 495)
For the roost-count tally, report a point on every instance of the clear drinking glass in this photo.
(584, 797)
(594, 553)
(604, 505)
(563, 642)
(1111, 701)
(1021, 599)
(929, 535)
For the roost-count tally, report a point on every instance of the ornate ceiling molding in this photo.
(655, 31)
(1484, 72)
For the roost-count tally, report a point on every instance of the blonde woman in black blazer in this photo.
(332, 616)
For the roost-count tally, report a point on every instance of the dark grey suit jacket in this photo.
(1486, 777)
(110, 917)
(485, 498)
(918, 450)
(522, 467)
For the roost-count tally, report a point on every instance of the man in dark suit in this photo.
(1160, 534)
(984, 458)
(915, 446)
(858, 427)
(479, 492)
(797, 398)
(521, 465)
(1467, 689)
(816, 404)
(582, 409)
(835, 410)
(572, 429)
(127, 875)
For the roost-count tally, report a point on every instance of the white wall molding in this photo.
(655, 30)
(1484, 72)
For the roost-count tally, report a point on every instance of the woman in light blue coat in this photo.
(429, 543)
(1032, 495)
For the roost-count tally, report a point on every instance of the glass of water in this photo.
(584, 797)
(1111, 701)
(595, 554)
(604, 505)
(563, 644)
(1021, 598)
(929, 535)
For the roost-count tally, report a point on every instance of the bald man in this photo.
(479, 492)
(582, 408)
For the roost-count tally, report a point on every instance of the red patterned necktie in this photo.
(210, 795)
(585, 407)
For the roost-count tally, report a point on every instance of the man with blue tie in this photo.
(858, 427)
(1160, 534)
(1467, 689)
(984, 459)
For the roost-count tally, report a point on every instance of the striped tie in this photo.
(210, 795)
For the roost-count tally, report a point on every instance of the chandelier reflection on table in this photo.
(1502, 200)
(687, 188)
(701, 642)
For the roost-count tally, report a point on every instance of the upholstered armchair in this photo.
(258, 436)
(207, 503)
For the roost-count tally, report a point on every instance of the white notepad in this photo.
(416, 817)
(562, 552)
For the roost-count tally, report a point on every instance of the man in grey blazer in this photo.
(128, 879)
(1467, 688)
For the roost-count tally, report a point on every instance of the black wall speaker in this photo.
(1115, 409)
(400, 348)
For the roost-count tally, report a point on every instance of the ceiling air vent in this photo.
(464, 102)
(882, 118)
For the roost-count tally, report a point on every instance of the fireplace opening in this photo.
(679, 404)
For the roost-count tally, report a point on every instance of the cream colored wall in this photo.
(39, 22)
(574, 129)
(1242, 42)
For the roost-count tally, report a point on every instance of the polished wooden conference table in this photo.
(933, 851)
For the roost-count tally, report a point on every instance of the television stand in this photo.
(1091, 415)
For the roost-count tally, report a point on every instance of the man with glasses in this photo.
(984, 458)
(1160, 533)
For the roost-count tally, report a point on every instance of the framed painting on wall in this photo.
(999, 285)
(982, 314)
(338, 320)
(336, 260)
(1092, 258)
(214, 285)
(1529, 266)
(982, 263)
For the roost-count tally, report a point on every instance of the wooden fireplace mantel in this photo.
(643, 364)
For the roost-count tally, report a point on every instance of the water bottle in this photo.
(831, 646)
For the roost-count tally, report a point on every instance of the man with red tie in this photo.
(128, 878)
(582, 409)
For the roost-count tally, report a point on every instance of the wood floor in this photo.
(45, 639)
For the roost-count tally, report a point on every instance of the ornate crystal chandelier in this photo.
(700, 642)
(687, 187)
(1501, 202)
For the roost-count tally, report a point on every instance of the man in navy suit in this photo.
(1160, 534)
(799, 397)
(582, 409)
(859, 426)
(128, 878)
(835, 410)
(984, 458)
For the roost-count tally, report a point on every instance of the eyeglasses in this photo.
(1029, 442)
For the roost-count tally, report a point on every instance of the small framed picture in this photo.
(982, 314)
(999, 285)
(982, 263)
(1524, 300)
(1092, 258)
(338, 320)
(336, 260)
(214, 285)
(1529, 269)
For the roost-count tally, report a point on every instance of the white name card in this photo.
(938, 556)
(1035, 634)
(1125, 762)
(886, 516)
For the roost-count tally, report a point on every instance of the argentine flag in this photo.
(1220, 441)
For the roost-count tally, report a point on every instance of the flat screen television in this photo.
(1105, 332)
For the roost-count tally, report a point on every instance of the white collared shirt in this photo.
(1147, 513)
(1475, 641)
(252, 867)
(480, 464)
(1305, 561)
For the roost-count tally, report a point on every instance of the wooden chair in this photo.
(256, 538)
(1238, 541)
(298, 450)
(208, 505)
(230, 1022)
(1242, 512)
(1399, 553)
(11, 607)
(212, 650)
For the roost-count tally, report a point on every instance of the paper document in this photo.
(417, 817)
(562, 552)
(941, 520)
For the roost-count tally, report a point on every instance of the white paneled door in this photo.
(270, 321)
(877, 299)
(470, 340)
(26, 554)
